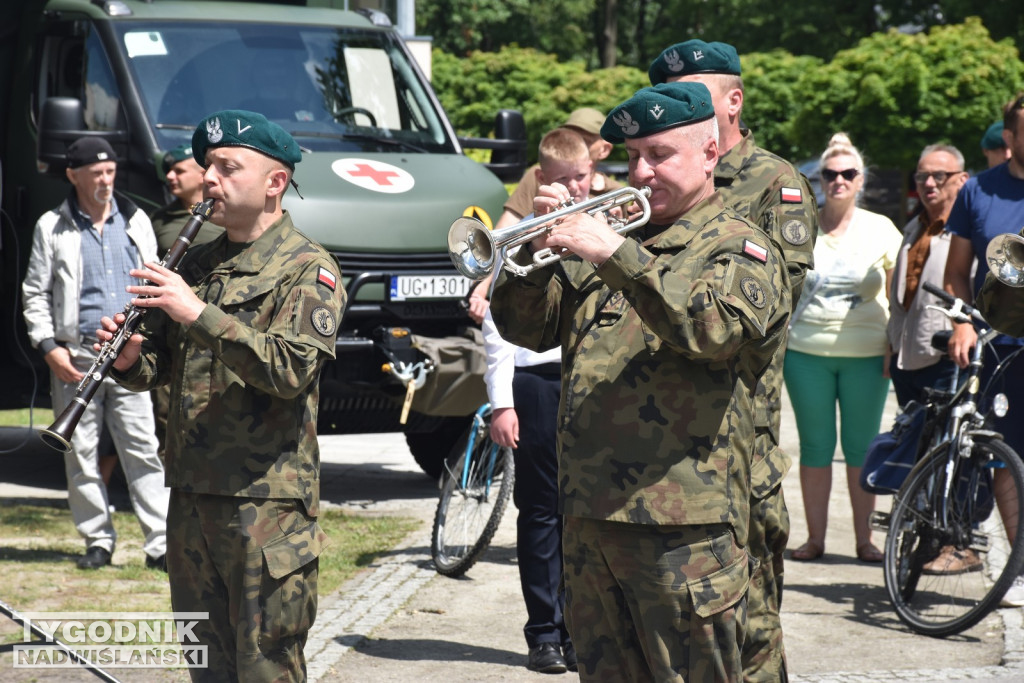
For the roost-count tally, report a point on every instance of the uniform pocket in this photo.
(288, 597)
(721, 589)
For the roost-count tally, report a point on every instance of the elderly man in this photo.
(82, 253)
(768, 191)
(915, 365)
(665, 334)
(241, 335)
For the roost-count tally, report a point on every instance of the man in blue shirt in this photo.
(991, 204)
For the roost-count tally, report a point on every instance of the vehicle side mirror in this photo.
(508, 147)
(61, 122)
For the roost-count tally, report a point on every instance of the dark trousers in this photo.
(539, 526)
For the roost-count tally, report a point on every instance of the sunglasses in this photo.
(940, 176)
(848, 174)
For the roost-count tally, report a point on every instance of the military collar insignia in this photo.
(656, 111)
(214, 133)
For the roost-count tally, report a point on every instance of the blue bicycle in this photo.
(475, 490)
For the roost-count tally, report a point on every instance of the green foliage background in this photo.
(893, 93)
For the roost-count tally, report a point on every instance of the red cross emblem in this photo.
(374, 175)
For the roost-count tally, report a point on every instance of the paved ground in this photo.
(401, 621)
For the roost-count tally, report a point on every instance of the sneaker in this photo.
(953, 561)
(547, 659)
(1015, 595)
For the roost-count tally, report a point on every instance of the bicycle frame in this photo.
(479, 424)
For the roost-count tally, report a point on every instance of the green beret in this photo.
(240, 128)
(694, 57)
(652, 110)
(993, 137)
(179, 153)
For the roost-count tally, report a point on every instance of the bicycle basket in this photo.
(892, 454)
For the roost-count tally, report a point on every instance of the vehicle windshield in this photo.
(333, 89)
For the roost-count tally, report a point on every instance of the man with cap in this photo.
(185, 182)
(993, 146)
(240, 332)
(665, 333)
(768, 191)
(78, 270)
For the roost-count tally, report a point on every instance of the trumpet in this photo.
(473, 248)
(58, 434)
(1005, 256)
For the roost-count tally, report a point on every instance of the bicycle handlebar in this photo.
(957, 306)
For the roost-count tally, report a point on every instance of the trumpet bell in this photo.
(471, 248)
(1005, 256)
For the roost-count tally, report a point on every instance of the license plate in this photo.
(408, 287)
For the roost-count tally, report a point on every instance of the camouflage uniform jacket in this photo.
(244, 375)
(769, 192)
(662, 347)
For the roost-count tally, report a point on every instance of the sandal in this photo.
(808, 552)
(867, 552)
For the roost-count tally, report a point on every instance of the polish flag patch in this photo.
(755, 251)
(327, 278)
(792, 195)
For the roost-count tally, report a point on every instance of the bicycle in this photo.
(475, 489)
(948, 503)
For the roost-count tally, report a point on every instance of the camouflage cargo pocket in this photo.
(720, 589)
(288, 596)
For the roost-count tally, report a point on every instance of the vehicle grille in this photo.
(362, 262)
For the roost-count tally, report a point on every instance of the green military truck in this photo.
(382, 178)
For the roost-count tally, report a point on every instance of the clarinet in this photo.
(58, 434)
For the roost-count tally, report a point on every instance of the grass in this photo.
(20, 417)
(39, 546)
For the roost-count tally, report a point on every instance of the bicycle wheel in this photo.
(937, 603)
(468, 513)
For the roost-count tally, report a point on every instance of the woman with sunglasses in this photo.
(837, 351)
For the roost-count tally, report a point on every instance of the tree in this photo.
(895, 93)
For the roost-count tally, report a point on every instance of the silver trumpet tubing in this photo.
(474, 249)
(1005, 256)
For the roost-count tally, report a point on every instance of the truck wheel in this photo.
(431, 449)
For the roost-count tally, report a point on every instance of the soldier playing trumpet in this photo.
(665, 333)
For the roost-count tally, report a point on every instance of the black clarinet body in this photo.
(58, 434)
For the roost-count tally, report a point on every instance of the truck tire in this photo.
(431, 449)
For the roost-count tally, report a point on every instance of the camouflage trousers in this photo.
(252, 565)
(655, 603)
(763, 652)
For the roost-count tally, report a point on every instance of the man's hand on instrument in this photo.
(129, 352)
(59, 360)
(166, 291)
(589, 237)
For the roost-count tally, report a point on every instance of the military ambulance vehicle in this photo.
(382, 177)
